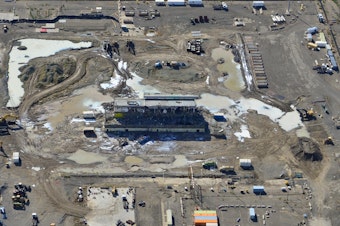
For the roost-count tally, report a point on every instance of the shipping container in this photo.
(258, 4)
(258, 190)
(245, 163)
(334, 64)
(16, 158)
(169, 217)
(176, 2)
(252, 214)
(195, 2)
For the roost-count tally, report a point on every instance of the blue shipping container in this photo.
(334, 64)
(330, 53)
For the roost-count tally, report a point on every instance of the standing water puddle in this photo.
(234, 80)
(88, 98)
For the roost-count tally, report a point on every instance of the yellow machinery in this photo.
(306, 115)
(328, 141)
(9, 118)
(5, 121)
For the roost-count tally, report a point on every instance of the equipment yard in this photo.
(169, 113)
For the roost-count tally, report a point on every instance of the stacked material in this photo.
(256, 63)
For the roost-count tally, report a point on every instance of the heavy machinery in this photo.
(306, 115)
(8, 119)
(328, 141)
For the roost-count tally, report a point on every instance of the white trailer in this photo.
(16, 158)
(176, 2)
(245, 163)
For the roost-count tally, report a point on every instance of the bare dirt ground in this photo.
(49, 160)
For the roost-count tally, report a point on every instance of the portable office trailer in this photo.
(245, 163)
(176, 2)
(252, 214)
(195, 2)
(258, 4)
(258, 189)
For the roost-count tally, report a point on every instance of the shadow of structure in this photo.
(156, 117)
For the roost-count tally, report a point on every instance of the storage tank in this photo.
(311, 45)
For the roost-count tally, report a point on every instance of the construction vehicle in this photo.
(209, 165)
(18, 205)
(328, 141)
(35, 220)
(306, 115)
(8, 119)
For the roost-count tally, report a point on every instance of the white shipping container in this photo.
(16, 157)
(245, 162)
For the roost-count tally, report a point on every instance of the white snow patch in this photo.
(122, 65)
(207, 80)
(35, 48)
(149, 40)
(36, 168)
(48, 126)
(243, 134)
(114, 82)
(135, 84)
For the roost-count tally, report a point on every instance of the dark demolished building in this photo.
(155, 113)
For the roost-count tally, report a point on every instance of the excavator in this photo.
(8, 119)
(328, 141)
(306, 115)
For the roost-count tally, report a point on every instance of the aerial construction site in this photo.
(155, 113)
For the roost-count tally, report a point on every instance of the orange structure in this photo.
(205, 218)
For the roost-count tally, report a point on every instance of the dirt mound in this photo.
(47, 74)
(307, 149)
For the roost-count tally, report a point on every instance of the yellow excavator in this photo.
(5, 120)
(306, 115)
(328, 141)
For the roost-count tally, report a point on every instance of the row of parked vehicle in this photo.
(200, 19)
